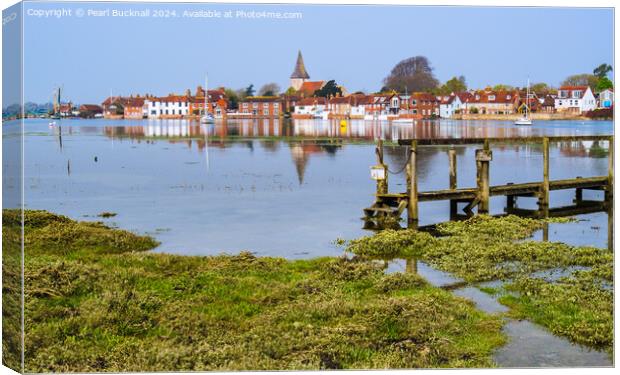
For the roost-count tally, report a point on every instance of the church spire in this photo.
(300, 68)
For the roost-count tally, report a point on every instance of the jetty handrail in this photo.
(481, 140)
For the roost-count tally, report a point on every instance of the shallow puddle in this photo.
(529, 345)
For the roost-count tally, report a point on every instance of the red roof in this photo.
(261, 99)
(312, 101)
(309, 87)
(489, 96)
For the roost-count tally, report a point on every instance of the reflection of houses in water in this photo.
(586, 149)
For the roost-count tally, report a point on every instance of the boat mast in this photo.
(206, 111)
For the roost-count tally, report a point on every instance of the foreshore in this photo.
(96, 300)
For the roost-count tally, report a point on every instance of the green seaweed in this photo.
(96, 300)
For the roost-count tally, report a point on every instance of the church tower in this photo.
(300, 75)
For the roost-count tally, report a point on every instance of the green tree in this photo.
(604, 83)
(330, 89)
(233, 98)
(454, 84)
(602, 70)
(290, 91)
(412, 74)
(249, 91)
(541, 88)
(581, 80)
(503, 87)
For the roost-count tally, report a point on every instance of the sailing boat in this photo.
(526, 120)
(404, 119)
(207, 118)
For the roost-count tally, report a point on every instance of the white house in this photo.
(449, 105)
(575, 99)
(606, 98)
(310, 107)
(171, 106)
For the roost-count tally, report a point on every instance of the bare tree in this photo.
(412, 74)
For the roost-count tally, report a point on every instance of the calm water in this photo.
(276, 188)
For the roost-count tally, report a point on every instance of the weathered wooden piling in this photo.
(543, 199)
(483, 161)
(382, 184)
(412, 207)
(452, 178)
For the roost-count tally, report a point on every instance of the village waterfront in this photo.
(267, 190)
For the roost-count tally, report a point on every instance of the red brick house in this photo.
(217, 106)
(492, 102)
(261, 107)
(134, 108)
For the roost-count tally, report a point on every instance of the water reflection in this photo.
(275, 187)
(353, 129)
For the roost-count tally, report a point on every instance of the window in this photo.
(491, 97)
(276, 105)
(266, 112)
(563, 94)
(577, 94)
(245, 105)
(254, 105)
(413, 102)
(166, 111)
(477, 97)
(173, 111)
(265, 105)
(275, 111)
(153, 112)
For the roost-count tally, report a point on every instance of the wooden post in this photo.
(411, 265)
(452, 160)
(412, 207)
(543, 200)
(483, 160)
(545, 231)
(609, 193)
(382, 185)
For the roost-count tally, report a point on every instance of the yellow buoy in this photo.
(343, 123)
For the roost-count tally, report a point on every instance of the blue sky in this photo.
(355, 45)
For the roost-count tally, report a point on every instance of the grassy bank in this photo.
(578, 305)
(95, 301)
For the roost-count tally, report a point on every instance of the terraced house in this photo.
(168, 107)
(492, 102)
(260, 107)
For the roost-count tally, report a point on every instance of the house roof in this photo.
(490, 96)
(309, 87)
(446, 99)
(261, 99)
(91, 107)
(340, 100)
(171, 98)
(300, 68)
(312, 101)
(134, 102)
(574, 88)
(424, 96)
(464, 96)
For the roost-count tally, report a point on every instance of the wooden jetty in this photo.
(394, 204)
